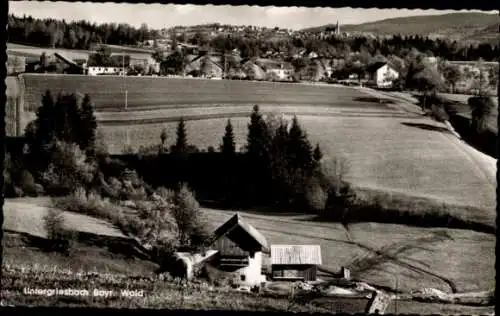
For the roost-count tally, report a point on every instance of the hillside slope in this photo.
(468, 26)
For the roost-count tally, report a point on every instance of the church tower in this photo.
(337, 28)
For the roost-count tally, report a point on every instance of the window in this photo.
(243, 277)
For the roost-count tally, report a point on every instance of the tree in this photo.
(258, 135)
(452, 75)
(174, 63)
(427, 81)
(87, 125)
(188, 216)
(228, 146)
(481, 81)
(101, 58)
(44, 62)
(299, 148)
(181, 145)
(163, 139)
(317, 154)
(482, 108)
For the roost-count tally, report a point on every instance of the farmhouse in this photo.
(295, 262)
(240, 247)
(253, 71)
(206, 66)
(277, 70)
(381, 74)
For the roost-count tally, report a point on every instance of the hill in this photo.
(469, 26)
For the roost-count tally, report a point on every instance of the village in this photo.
(168, 56)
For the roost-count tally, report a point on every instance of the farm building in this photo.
(295, 262)
(205, 66)
(277, 70)
(381, 74)
(240, 247)
(253, 71)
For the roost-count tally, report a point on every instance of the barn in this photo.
(240, 247)
(295, 262)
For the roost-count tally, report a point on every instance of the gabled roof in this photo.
(375, 66)
(296, 254)
(237, 221)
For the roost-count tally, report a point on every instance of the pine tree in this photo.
(228, 146)
(299, 148)
(88, 125)
(163, 138)
(258, 136)
(317, 154)
(181, 145)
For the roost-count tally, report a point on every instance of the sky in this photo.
(159, 16)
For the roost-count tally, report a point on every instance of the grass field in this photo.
(34, 51)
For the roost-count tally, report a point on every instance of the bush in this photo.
(187, 214)
(69, 168)
(60, 239)
(88, 203)
(28, 186)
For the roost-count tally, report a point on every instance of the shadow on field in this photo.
(427, 127)
(373, 100)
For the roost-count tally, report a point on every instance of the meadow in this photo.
(160, 92)
(33, 51)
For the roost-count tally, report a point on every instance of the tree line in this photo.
(74, 35)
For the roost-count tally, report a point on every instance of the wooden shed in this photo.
(295, 262)
(240, 247)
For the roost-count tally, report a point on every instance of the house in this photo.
(313, 55)
(381, 74)
(240, 247)
(295, 262)
(206, 66)
(277, 70)
(253, 71)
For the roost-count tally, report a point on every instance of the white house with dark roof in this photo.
(382, 74)
(295, 262)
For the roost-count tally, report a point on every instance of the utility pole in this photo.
(124, 79)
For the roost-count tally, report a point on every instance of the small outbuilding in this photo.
(240, 247)
(295, 262)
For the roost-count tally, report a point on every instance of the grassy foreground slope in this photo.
(103, 248)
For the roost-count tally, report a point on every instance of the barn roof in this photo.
(296, 254)
(237, 221)
(375, 66)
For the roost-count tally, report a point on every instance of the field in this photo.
(33, 51)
